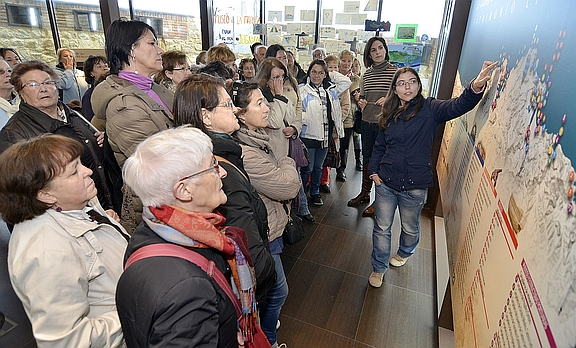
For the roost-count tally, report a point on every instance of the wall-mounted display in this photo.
(506, 173)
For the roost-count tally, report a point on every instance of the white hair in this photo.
(321, 49)
(164, 158)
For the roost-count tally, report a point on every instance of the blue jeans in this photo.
(270, 308)
(317, 157)
(303, 209)
(369, 135)
(410, 204)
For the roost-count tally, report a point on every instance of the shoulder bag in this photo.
(259, 339)
(294, 230)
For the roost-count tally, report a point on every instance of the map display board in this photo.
(507, 181)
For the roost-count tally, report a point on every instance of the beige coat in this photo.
(275, 179)
(130, 116)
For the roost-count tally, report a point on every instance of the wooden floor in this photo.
(330, 303)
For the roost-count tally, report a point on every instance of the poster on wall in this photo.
(507, 183)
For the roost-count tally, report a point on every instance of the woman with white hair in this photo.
(169, 301)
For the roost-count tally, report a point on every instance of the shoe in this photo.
(325, 188)
(375, 279)
(369, 212)
(398, 261)
(340, 176)
(308, 218)
(317, 199)
(359, 166)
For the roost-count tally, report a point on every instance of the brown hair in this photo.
(391, 108)
(223, 54)
(368, 61)
(25, 67)
(264, 72)
(170, 60)
(29, 166)
(192, 94)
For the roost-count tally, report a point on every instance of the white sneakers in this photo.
(398, 261)
(375, 279)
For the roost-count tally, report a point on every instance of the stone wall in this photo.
(179, 32)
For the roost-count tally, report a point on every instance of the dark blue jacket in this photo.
(402, 153)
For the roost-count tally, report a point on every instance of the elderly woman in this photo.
(130, 103)
(276, 179)
(168, 301)
(65, 254)
(95, 69)
(225, 55)
(202, 102)
(175, 68)
(40, 112)
(11, 56)
(71, 81)
(8, 102)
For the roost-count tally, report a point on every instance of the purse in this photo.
(332, 159)
(298, 152)
(294, 230)
(259, 339)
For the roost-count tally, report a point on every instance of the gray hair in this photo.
(161, 160)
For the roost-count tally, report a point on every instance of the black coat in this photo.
(171, 302)
(29, 122)
(245, 209)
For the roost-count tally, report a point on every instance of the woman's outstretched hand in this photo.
(483, 76)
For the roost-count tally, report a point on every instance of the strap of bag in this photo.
(172, 250)
(222, 159)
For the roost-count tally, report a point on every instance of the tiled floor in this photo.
(330, 302)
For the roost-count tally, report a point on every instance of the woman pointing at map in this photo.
(401, 165)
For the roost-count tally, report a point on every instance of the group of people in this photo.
(115, 207)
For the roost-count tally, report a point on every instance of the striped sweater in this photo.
(375, 84)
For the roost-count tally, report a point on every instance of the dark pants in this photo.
(369, 135)
(344, 148)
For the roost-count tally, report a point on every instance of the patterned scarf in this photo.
(205, 230)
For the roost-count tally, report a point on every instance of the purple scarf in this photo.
(143, 83)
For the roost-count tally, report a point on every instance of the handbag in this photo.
(259, 339)
(298, 152)
(332, 159)
(294, 230)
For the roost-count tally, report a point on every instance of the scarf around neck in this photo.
(143, 83)
(205, 230)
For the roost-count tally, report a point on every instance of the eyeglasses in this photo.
(35, 85)
(178, 69)
(278, 77)
(227, 104)
(411, 82)
(214, 166)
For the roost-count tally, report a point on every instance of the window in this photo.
(27, 16)
(155, 23)
(91, 21)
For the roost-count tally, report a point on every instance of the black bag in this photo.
(357, 121)
(294, 230)
(332, 159)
